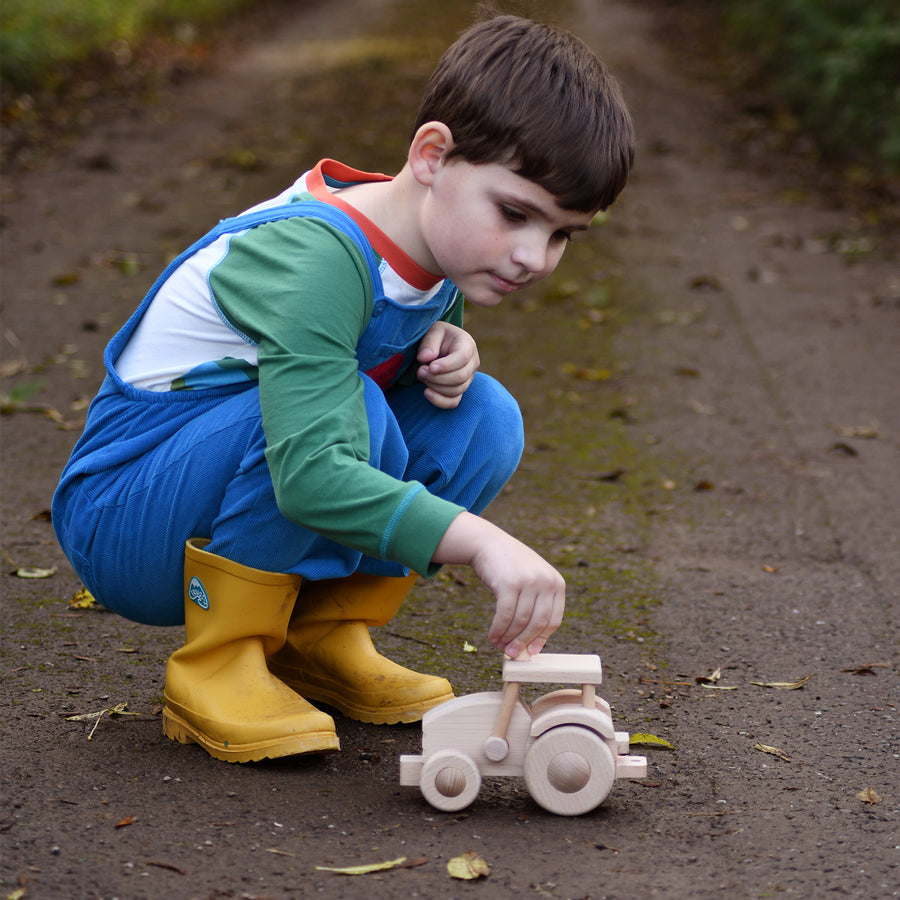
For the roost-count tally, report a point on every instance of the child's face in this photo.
(492, 231)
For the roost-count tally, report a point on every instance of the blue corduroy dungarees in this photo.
(154, 469)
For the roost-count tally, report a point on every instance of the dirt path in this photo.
(710, 390)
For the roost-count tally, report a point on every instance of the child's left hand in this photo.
(449, 360)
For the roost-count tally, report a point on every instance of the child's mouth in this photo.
(505, 284)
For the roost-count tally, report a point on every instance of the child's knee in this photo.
(500, 426)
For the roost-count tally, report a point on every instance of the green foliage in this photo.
(40, 38)
(834, 63)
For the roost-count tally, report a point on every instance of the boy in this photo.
(292, 423)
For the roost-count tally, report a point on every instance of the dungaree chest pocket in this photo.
(395, 330)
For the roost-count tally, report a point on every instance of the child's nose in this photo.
(532, 253)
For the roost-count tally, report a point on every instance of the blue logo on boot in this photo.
(197, 593)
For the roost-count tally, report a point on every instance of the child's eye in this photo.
(563, 235)
(511, 214)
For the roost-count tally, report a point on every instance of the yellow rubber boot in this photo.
(329, 655)
(219, 691)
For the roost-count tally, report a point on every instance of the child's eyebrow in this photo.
(540, 211)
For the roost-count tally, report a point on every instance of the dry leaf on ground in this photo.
(364, 869)
(709, 679)
(120, 709)
(640, 739)
(869, 795)
(468, 867)
(866, 432)
(783, 685)
(83, 599)
(35, 573)
(775, 751)
(582, 373)
(867, 668)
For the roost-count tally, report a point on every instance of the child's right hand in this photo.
(449, 360)
(530, 593)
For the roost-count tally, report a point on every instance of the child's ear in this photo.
(428, 150)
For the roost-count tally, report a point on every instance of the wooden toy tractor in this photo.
(563, 743)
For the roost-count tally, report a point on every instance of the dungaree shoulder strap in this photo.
(315, 209)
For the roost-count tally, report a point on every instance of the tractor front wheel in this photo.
(570, 770)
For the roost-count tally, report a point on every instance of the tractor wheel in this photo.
(569, 770)
(450, 780)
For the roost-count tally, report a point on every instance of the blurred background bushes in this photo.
(40, 40)
(834, 65)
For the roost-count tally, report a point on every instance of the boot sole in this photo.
(177, 729)
(372, 715)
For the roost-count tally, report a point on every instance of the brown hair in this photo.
(537, 98)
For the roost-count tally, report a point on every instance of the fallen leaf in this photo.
(703, 409)
(866, 432)
(169, 866)
(468, 867)
(869, 795)
(469, 648)
(705, 282)
(866, 668)
(13, 367)
(84, 599)
(763, 748)
(770, 569)
(365, 869)
(15, 400)
(610, 476)
(128, 820)
(843, 447)
(54, 415)
(36, 573)
(584, 374)
(239, 158)
(784, 685)
(120, 709)
(709, 679)
(640, 739)
(718, 687)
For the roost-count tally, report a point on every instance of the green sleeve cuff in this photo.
(417, 530)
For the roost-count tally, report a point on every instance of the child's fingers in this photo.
(444, 390)
(444, 376)
(511, 619)
(442, 401)
(528, 624)
(429, 347)
(534, 645)
(446, 348)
